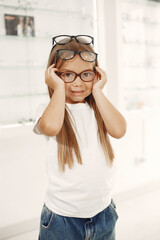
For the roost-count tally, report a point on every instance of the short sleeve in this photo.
(41, 108)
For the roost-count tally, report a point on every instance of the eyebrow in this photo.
(68, 70)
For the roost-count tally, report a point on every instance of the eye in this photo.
(67, 76)
(87, 74)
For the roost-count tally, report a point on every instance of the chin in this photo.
(77, 100)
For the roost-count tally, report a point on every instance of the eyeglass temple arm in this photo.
(55, 60)
(53, 39)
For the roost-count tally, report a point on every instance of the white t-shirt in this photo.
(85, 190)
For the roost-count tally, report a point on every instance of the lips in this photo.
(80, 91)
(77, 91)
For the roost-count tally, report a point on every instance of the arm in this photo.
(113, 120)
(52, 119)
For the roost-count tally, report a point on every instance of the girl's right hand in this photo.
(51, 78)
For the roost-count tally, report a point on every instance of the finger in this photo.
(51, 66)
(48, 70)
(98, 75)
(52, 69)
(95, 80)
(101, 72)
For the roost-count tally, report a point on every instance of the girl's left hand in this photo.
(100, 79)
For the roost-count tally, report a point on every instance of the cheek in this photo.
(66, 87)
(89, 86)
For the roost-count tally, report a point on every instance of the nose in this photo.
(78, 81)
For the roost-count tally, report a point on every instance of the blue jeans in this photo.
(99, 227)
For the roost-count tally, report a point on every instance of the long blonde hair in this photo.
(67, 141)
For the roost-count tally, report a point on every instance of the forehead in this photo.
(77, 64)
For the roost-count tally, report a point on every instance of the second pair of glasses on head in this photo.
(64, 54)
(67, 54)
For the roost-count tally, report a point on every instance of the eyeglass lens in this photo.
(86, 76)
(69, 54)
(63, 39)
(66, 54)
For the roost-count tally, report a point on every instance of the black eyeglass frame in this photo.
(72, 36)
(75, 52)
(77, 75)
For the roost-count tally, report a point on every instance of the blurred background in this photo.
(127, 39)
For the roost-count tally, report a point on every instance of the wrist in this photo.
(96, 90)
(59, 87)
(59, 92)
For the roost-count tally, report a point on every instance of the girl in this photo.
(76, 123)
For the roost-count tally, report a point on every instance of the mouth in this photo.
(77, 92)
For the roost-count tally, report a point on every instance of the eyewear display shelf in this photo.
(26, 31)
(141, 81)
(141, 47)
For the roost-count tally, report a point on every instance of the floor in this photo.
(139, 217)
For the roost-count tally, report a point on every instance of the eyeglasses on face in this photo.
(64, 39)
(69, 76)
(66, 54)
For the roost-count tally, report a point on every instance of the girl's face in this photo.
(78, 90)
